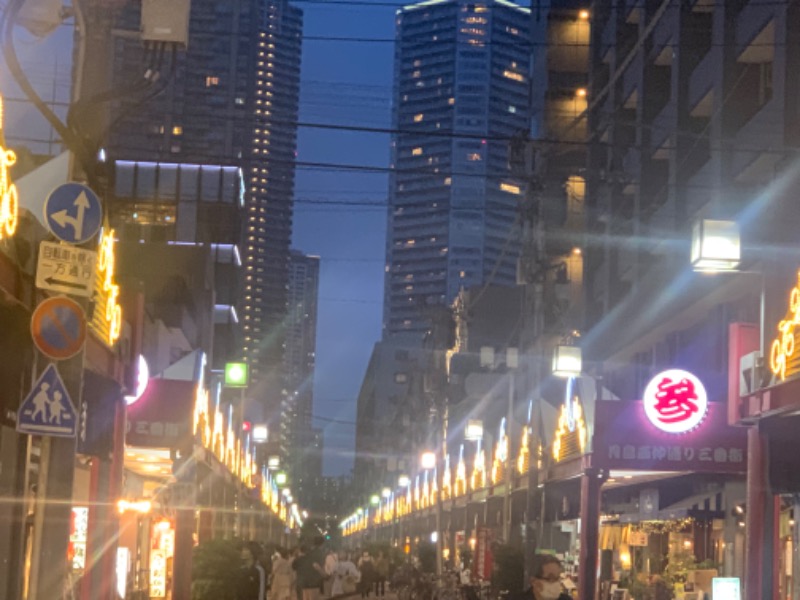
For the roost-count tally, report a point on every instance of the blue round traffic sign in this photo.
(58, 327)
(73, 213)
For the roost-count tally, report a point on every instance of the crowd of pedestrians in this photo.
(314, 572)
(310, 572)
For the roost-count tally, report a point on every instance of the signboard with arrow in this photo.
(66, 269)
(73, 213)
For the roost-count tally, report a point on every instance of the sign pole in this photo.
(50, 573)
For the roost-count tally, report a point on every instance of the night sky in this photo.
(343, 83)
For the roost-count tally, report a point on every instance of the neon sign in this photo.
(675, 401)
(142, 379)
(9, 201)
(783, 345)
(571, 432)
(108, 320)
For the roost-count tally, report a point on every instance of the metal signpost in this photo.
(73, 214)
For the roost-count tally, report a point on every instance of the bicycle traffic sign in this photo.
(66, 269)
(58, 328)
(73, 213)
(48, 409)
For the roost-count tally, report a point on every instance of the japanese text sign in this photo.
(162, 418)
(626, 439)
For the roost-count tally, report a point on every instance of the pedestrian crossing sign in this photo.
(48, 409)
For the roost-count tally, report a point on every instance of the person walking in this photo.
(381, 574)
(331, 560)
(251, 582)
(281, 587)
(310, 571)
(345, 578)
(546, 580)
(366, 567)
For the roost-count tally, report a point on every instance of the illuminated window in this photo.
(475, 20)
(416, 74)
(417, 63)
(473, 156)
(451, 101)
(416, 152)
(513, 76)
(510, 188)
(177, 130)
(512, 109)
(418, 117)
(448, 180)
(512, 30)
(212, 81)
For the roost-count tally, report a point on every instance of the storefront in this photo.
(190, 476)
(644, 492)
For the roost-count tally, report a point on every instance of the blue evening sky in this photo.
(344, 83)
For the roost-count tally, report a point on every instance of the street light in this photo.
(404, 481)
(716, 246)
(428, 460)
(386, 492)
(567, 361)
(260, 433)
(375, 500)
(474, 430)
(281, 478)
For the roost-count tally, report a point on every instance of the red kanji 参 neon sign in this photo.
(675, 401)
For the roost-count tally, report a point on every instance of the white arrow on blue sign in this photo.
(73, 213)
(48, 409)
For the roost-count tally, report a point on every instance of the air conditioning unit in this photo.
(40, 17)
(166, 21)
(752, 374)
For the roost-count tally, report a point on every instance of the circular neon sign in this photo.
(675, 401)
(142, 379)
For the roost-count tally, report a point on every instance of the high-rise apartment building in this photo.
(461, 94)
(297, 435)
(232, 100)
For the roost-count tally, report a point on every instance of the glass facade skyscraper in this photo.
(461, 93)
(299, 442)
(232, 100)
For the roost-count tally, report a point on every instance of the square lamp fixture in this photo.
(260, 433)
(237, 375)
(474, 431)
(716, 246)
(567, 361)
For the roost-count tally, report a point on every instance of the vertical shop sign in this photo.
(483, 562)
(107, 317)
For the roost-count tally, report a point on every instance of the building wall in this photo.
(697, 124)
(223, 105)
(461, 93)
